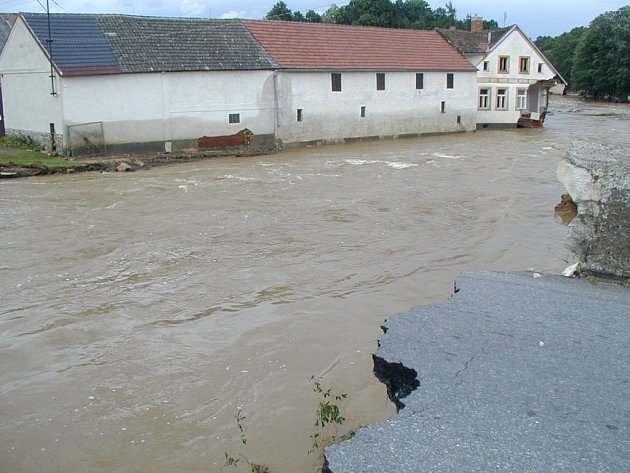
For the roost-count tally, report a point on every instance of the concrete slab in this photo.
(516, 374)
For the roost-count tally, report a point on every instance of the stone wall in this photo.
(597, 177)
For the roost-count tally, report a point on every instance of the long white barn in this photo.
(146, 83)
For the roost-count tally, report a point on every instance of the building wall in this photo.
(29, 107)
(400, 109)
(514, 46)
(156, 108)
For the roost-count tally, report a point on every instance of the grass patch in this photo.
(29, 157)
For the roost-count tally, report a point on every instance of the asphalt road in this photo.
(517, 374)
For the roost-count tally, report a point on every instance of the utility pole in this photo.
(49, 41)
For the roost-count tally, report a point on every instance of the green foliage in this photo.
(327, 416)
(20, 142)
(416, 14)
(592, 279)
(594, 60)
(559, 51)
(29, 158)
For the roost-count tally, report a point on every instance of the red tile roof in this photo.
(319, 46)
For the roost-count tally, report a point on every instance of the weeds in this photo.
(20, 142)
(233, 461)
(327, 416)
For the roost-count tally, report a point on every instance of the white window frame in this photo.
(501, 102)
(521, 99)
(484, 100)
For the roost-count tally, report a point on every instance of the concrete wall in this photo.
(400, 109)
(597, 177)
(29, 107)
(515, 45)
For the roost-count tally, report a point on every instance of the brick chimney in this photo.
(476, 24)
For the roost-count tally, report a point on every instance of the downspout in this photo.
(276, 103)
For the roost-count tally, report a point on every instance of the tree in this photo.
(280, 11)
(560, 51)
(369, 12)
(313, 17)
(601, 64)
(330, 15)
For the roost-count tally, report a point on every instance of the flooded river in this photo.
(139, 312)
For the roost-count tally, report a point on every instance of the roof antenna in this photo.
(504, 19)
(49, 42)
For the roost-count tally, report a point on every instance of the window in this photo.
(335, 78)
(450, 80)
(540, 67)
(234, 118)
(363, 112)
(443, 107)
(484, 99)
(521, 99)
(523, 65)
(502, 95)
(299, 114)
(486, 66)
(419, 81)
(380, 81)
(459, 119)
(504, 64)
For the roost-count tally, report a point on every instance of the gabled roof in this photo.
(469, 42)
(109, 44)
(474, 42)
(317, 46)
(6, 23)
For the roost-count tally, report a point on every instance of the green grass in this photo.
(29, 157)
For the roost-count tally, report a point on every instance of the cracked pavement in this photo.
(517, 374)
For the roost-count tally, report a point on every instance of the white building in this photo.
(514, 77)
(143, 83)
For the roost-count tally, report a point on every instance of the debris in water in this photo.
(571, 270)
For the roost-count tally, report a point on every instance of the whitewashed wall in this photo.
(171, 106)
(28, 104)
(399, 109)
(515, 45)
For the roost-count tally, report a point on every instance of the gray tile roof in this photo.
(78, 45)
(6, 23)
(468, 42)
(144, 44)
(101, 44)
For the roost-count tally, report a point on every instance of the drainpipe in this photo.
(276, 100)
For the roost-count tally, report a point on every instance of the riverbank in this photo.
(45, 165)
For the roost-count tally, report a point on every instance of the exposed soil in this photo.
(120, 163)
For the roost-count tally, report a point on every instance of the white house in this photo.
(346, 82)
(146, 83)
(514, 77)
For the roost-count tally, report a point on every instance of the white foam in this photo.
(447, 156)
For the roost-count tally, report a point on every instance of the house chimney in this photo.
(476, 24)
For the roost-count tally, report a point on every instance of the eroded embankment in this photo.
(517, 372)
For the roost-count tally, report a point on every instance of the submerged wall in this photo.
(597, 177)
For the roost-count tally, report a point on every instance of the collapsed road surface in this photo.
(517, 372)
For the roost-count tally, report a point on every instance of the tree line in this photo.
(416, 14)
(594, 60)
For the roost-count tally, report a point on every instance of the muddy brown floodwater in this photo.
(141, 311)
